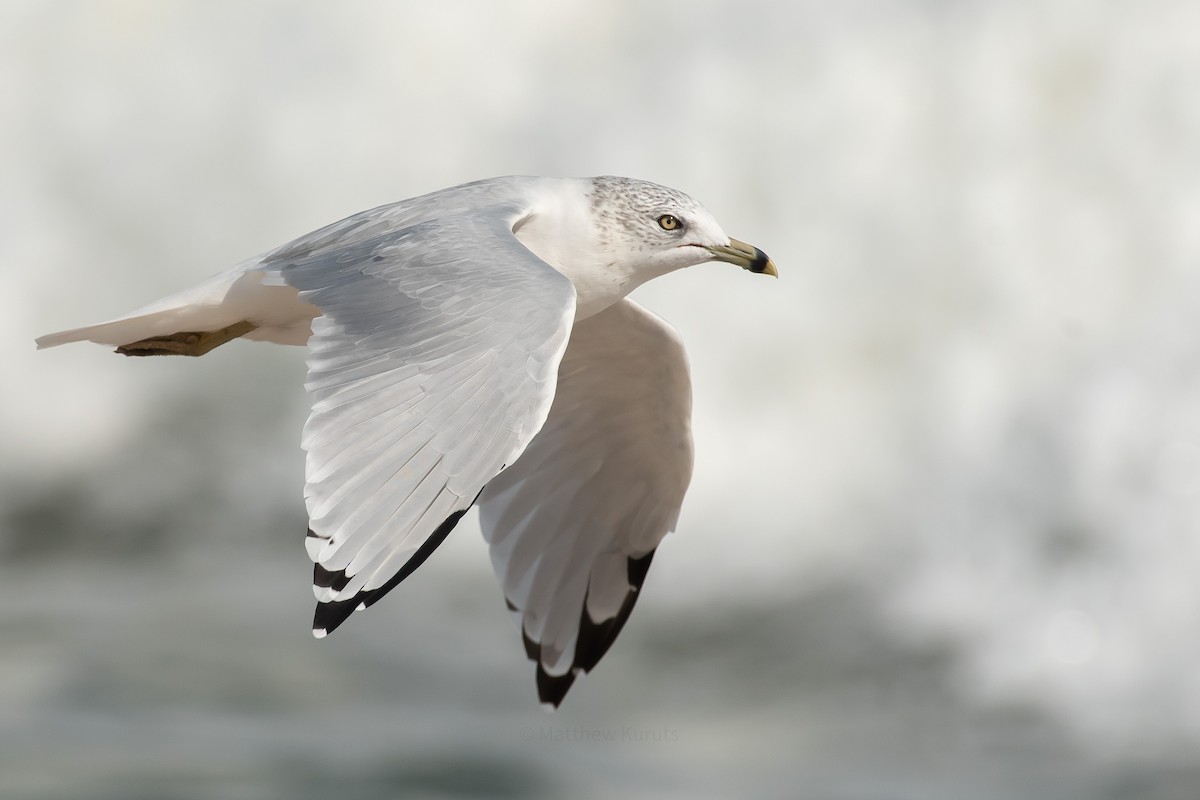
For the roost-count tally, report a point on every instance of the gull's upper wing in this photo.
(574, 522)
(431, 366)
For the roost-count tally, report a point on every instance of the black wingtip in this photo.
(594, 638)
(533, 650)
(329, 616)
(636, 570)
(330, 579)
(553, 688)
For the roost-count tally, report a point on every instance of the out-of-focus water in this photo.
(942, 540)
(153, 680)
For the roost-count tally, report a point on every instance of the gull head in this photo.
(609, 235)
(660, 229)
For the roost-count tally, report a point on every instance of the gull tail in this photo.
(253, 304)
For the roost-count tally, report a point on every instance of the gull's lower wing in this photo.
(431, 366)
(574, 522)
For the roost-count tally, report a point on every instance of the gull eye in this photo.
(669, 223)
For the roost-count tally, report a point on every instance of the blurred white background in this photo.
(942, 539)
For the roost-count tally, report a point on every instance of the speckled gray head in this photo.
(625, 203)
(609, 235)
(649, 214)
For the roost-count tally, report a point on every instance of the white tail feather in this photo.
(221, 301)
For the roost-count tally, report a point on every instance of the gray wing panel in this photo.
(574, 522)
(431, 366)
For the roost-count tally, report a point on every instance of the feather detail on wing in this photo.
(431, 366)
(574, 522)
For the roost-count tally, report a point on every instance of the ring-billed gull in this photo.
(476, 346)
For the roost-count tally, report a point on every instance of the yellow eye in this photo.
(669, 223)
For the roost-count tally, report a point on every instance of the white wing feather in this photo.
(574, 522)
(431, 366)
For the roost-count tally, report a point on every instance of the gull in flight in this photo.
(475, 346)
